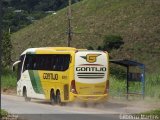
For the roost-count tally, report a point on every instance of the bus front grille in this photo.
(90, 75)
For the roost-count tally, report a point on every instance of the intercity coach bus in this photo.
(63, 74)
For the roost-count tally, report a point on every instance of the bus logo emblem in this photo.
(91, 58)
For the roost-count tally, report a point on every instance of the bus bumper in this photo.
(89, 98)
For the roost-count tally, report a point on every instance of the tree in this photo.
(99, 48)
(90, 48)
(6, 49)
(112, 42)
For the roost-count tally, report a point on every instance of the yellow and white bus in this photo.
(63, 74)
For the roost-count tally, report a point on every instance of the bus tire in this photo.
(58, 98)
(26, 98)
(52, 97)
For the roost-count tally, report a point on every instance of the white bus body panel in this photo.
(26, 81)
(98, 69)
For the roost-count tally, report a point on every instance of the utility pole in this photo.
(0, 42)
(69, 24)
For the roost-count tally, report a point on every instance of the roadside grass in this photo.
(148, 115)
(7, 116)
(8, 80)
(117, 87)
(153, 112)
(3, 113)
(152, 84)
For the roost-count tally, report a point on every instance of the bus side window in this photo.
(56, 64)
(26, 65)
(59, 64)
(34, 66)
(62, 63)
(32, 62)
(40, 62)
(46, 62)
(67, 62)
(53, 63)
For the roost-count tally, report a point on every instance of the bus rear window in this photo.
(49, 62)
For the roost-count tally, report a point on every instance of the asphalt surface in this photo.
(42, 110)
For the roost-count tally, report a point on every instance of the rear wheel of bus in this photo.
(26, 98)
(58, 98)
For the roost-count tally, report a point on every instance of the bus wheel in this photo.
(27, 99)
(58, 98)
(52, 97)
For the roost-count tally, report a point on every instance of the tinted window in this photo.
(47, 62)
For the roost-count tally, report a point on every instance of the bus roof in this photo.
(50, 49)
(53, 49)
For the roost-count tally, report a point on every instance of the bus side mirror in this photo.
(14, 64)
(13, 68)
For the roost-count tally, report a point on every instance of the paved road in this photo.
(41, 110)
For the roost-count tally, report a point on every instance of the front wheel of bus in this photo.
(52, 98)
(26, 98)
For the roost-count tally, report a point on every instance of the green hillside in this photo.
(137, 21)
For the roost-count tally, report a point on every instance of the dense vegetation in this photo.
(20, 13)
(8, 80)
(6, 50)
(110, 42)
(136, 21)
(3, 113)
(155, 112)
